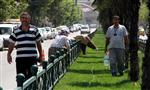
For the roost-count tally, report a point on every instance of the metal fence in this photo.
(50, 73)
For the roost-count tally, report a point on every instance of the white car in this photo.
(85, 29)
(43, 33)
(5, 32)
(1, 44)
(64, 27)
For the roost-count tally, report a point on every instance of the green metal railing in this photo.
(51, 73)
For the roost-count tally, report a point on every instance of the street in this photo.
(8, 71)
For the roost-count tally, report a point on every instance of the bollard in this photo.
(57, 54)
(34, 70)
(51, 59)
(1, 88)
(20, 78)
(44, 64)
(62, 51)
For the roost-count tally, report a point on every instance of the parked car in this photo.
(43, 33)
(77, 26)
(1, 44)
(85, 29)
(64, 27)
(5, 32)
(93, 25)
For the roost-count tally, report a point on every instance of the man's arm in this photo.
(106, 43)
(39, 47)
(10, 49)
(126, 40)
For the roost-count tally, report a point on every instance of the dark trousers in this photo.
(83, 48)
(24, 66)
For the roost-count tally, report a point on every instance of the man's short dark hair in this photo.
(116, 17)
(25, 13)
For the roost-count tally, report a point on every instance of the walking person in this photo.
(116, 40)
(27, 41)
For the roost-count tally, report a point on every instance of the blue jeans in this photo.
(116, 57)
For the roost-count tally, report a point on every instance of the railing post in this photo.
(1, 88)
(44, 65)
(20, 78)
(63, 62)
(57, 54)
(57, 65)
(52, 58)
(34, 70)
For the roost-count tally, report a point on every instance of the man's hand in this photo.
(42, 58)
(9, 58)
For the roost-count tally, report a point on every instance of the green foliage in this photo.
(56, 11)
(38, 11)
(143, 13)
(3, 12)
(11, 9)
(64, 12)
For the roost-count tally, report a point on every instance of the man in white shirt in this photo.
(116, 38)
(60, 41)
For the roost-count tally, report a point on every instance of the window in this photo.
(5, 30)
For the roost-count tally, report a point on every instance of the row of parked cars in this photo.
(46, 32)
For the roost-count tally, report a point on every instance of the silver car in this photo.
(1, 44)
(5, 32)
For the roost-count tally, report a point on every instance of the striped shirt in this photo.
(25, 42)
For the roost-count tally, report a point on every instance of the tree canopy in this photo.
(55, 11)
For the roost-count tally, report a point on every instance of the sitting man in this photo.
(60, 41)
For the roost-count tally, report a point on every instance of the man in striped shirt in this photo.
(27, 40)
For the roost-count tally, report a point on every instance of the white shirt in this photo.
(143, 37)
(60, 41)
(116, 41)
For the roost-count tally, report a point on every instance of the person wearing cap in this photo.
(142, 34)
(60, 41)
(116, 41)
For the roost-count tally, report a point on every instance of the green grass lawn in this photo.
(89, 72)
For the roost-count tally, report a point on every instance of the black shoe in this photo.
(114, 74)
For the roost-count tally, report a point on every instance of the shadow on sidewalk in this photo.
(95, 84)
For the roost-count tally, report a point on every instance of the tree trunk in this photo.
(146, 62)
(133, 45)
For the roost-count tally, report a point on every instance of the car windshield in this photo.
(5, 30)
(84, 27)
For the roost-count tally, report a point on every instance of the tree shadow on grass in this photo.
(95, 84)
(88, 62)
(89, 71)
(99, 49)
(91, 56)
